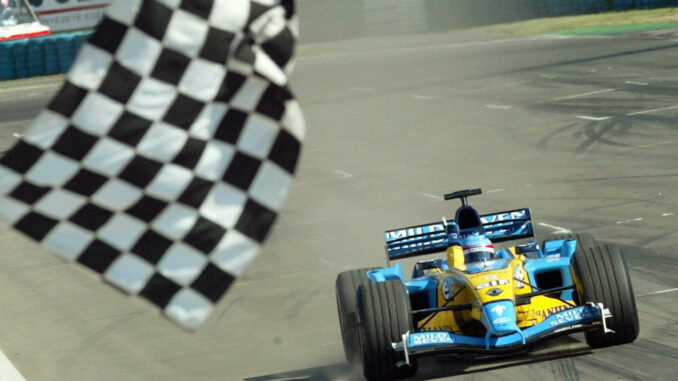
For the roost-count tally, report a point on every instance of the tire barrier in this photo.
(40, 56)
(327, 20)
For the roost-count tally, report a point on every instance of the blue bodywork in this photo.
(436, 236)
(565, 321)
(547, 269)
(553, 258)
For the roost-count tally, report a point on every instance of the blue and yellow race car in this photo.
(481, 299)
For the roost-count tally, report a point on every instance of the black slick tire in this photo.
(601, 276)
(346, 288)
(384, 315)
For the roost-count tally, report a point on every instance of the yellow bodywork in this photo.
(474, 288)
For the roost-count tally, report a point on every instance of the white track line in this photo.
(596, 118)
(659, 292)
(343, 174)
(583, 94)
(637, 83)
(7, 370)
(556, 229)
(638, 219)
(325, 261)
(499, 107)
(651, 111)
(432, 196)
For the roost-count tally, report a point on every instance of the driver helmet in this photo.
(477, 248)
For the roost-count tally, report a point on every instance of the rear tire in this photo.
(601, 276)
(384, 315)
(584, 240)
(346, 288)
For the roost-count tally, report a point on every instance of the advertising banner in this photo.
(69, 15)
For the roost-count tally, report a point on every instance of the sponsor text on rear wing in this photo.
(431, 238)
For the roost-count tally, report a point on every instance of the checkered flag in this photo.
(162, 162)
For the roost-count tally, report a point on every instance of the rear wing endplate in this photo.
(431, 238)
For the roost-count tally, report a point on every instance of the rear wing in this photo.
(431, 238)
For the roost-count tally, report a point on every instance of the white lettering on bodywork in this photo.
(504, 217)
(432, 338)
(404, 233)
(566, 317)
(498, 309)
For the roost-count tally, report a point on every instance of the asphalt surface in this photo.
(582, 130)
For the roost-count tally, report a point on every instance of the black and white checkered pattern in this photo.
(164, 159)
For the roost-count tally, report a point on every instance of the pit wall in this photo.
(328, 20)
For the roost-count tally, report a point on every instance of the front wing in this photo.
(567, 321)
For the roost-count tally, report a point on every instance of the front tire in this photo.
(384, 315)
(601, 276)
(346, 288)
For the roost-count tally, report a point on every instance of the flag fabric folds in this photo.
(165, 157)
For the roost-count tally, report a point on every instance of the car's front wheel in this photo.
(346, 288)
(601, 276)
(384, 315)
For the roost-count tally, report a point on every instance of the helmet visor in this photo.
(478, 253)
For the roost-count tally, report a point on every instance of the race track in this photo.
(582, 130)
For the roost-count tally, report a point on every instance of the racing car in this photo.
(481, 299)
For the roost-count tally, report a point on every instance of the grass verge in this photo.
(601, 23)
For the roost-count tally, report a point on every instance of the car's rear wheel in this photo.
(384, 315)
(601, 276)
(346, 288)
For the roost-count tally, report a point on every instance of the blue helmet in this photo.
(476, 248)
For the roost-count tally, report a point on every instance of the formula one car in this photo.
(482, 300)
